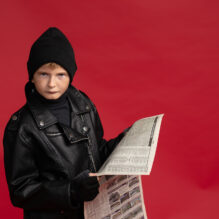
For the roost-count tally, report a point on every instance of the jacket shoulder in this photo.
(82, 98)
(88, 99)
(16, 118)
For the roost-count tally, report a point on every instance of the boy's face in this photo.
(51, 82)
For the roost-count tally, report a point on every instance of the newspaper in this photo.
(134, 155)
(120, 193)
(120, 197)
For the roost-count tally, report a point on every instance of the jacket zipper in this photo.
(89, 148)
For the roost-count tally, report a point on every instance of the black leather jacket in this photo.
(43, 156)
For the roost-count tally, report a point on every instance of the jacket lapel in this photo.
(41, 115)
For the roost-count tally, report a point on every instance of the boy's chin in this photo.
(51, 96)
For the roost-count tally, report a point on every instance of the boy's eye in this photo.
(61, 74)
(43, 74)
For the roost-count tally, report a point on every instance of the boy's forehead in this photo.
(51, 66)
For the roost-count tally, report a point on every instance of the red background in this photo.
(135, 59)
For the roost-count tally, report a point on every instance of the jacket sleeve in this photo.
(27, 190)
(105, 147)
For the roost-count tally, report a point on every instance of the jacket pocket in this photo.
(72, 135)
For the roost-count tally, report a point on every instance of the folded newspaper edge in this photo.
(134, 155)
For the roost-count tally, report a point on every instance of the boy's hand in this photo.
(93, 174)
(84, 187)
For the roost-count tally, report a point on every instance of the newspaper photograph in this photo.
(120, 197)
(134, 155)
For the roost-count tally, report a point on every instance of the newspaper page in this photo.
(134, 155)
(120, 197)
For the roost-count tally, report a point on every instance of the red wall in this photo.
(135, 59)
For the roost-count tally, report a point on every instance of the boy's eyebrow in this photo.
(40, 71)
(60, 72)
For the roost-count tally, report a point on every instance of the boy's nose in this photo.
(51, 82)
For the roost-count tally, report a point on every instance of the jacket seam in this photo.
(89, 149)
(23, 139)
(45, 139)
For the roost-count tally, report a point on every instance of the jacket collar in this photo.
(43, 116)
(79, 104)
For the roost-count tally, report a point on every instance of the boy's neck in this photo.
(52, 102)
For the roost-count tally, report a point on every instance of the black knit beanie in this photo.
(52, 46)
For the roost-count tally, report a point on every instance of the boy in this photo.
(54, 141)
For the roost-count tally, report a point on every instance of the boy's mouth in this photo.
(52, 92)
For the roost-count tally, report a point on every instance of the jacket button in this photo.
(41, 123)
(87, 107)
(14, 117)
(85, 128)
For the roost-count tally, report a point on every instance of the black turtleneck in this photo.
(58, 107)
